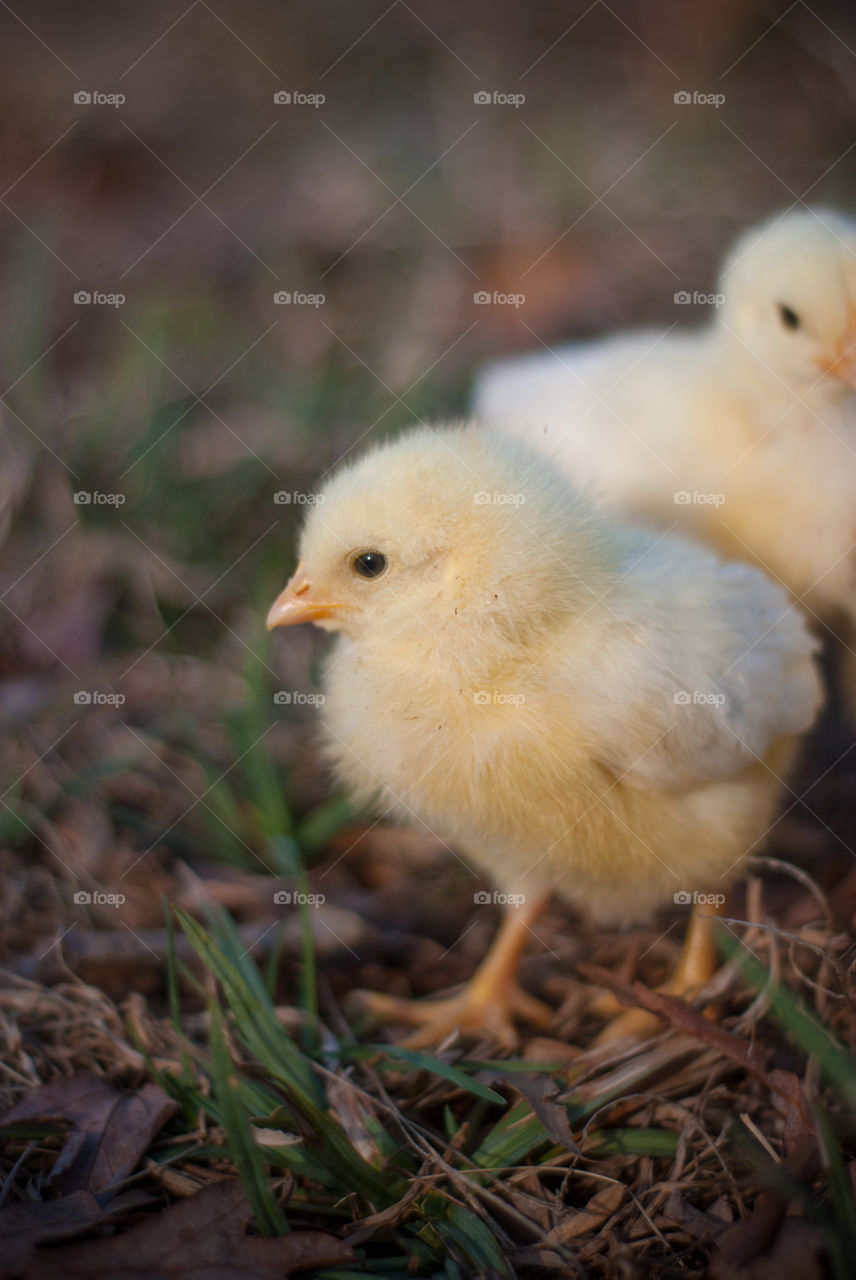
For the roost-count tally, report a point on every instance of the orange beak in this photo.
(296, 603)
(844, 365)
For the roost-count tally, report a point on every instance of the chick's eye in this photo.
(788, 316)
(369, 564)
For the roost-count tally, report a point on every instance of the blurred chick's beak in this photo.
(845, 369)
(844, 366)
(296, 603)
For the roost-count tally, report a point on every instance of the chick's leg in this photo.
(489, 1001)
(696, 967)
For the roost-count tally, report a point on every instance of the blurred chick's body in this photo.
(742, 431)
(577, 706)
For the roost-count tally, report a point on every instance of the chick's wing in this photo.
(706, 667)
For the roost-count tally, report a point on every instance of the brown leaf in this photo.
(111, 1130)
(788, 1096)
(750, 1239)
(539, 1092)
(601, 1206)
(798, 1254)
(696, 1223)
(200, 1238)
(34, 1222)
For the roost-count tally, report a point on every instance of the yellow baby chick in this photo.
(576, 706)
(743, 431)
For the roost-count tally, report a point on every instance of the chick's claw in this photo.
(695, 969)
(472, 1010)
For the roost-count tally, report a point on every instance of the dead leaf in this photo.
(788, 1096)
(601, 1206)
(200, 1238)
(748, 1240)
(35, 1222)
(111, 1130)
(539, 1092)
(798, 1254)
(348, 1105)
(696, 1223)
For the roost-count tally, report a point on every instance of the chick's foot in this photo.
(695, 969)
(488, 1003)
(476, 1009)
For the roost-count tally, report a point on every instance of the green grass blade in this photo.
(256, 1017)
(266, 1038)
(246, 1154)
(427, 1062)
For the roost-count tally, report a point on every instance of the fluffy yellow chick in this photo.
(576, 706)
(742, 431)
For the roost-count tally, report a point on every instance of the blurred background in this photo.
(238, 240)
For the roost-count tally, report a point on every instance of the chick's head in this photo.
(789, 290)
(454, 534)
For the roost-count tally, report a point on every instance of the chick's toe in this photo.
(694, 970)
(478, 1008)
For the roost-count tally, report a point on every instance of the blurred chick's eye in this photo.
(788, 316)
(369, 564)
